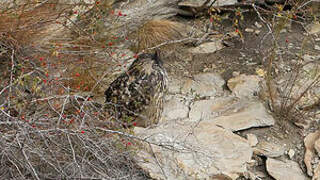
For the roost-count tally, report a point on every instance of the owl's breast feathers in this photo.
(143, 85)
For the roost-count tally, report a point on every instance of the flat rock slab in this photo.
(310, 154)
(175, 108)
(313, 28)
(209, 47)
(281, 170)
(231, 113)
(252, 139)
(244, 85)
(269, 149)
(202, 85)
(192, 151)
(199, 3)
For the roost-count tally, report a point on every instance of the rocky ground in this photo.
(217, 121)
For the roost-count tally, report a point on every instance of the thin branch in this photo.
(157, 160)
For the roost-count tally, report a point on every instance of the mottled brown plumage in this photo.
(136, 96)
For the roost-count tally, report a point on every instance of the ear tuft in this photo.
(157, 55)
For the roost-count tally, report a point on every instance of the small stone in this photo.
(308, 57)
(268, 149)
(316, 175)
(206, 69)
(252, 162)
(258, 25)
(261, 174)
(209, 47)
(261, 72)
(235, 73)
(249, 30)
(316, 47)
(252, 139)
(257, 32)
(283, 30)
(244, 85)
(291, 153)
(317, 39)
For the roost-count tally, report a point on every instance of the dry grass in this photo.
(48, 128)
(156, 32)
(27, 21)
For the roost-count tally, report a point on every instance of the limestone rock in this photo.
(203, 85)
(258, 25)
(309, 143)
(269, 149)
(209, 47)
(252, 139)
(316, 174)
(281, 170)
(175, 109)
(317, 146)
(174, 85)
(192, 7)
(199, 3)
(192, 151)
(313, 28)
(244, 85)
(231, 113)
(255, 174)
(249, 30)
(291, 153)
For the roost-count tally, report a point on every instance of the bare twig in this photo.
(11, 78)
(28, 161)
(157, 160)
(62, 110)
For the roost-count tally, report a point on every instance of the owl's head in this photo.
(155, 57)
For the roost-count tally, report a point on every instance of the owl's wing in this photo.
(134, 91)
(129, 92)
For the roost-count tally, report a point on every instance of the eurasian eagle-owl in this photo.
(136, 96)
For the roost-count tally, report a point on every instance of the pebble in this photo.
(252, 139)
(290, 45)
(258, 25)
(249, 30)
(291, 153)
(283, 31)
(235, 73)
